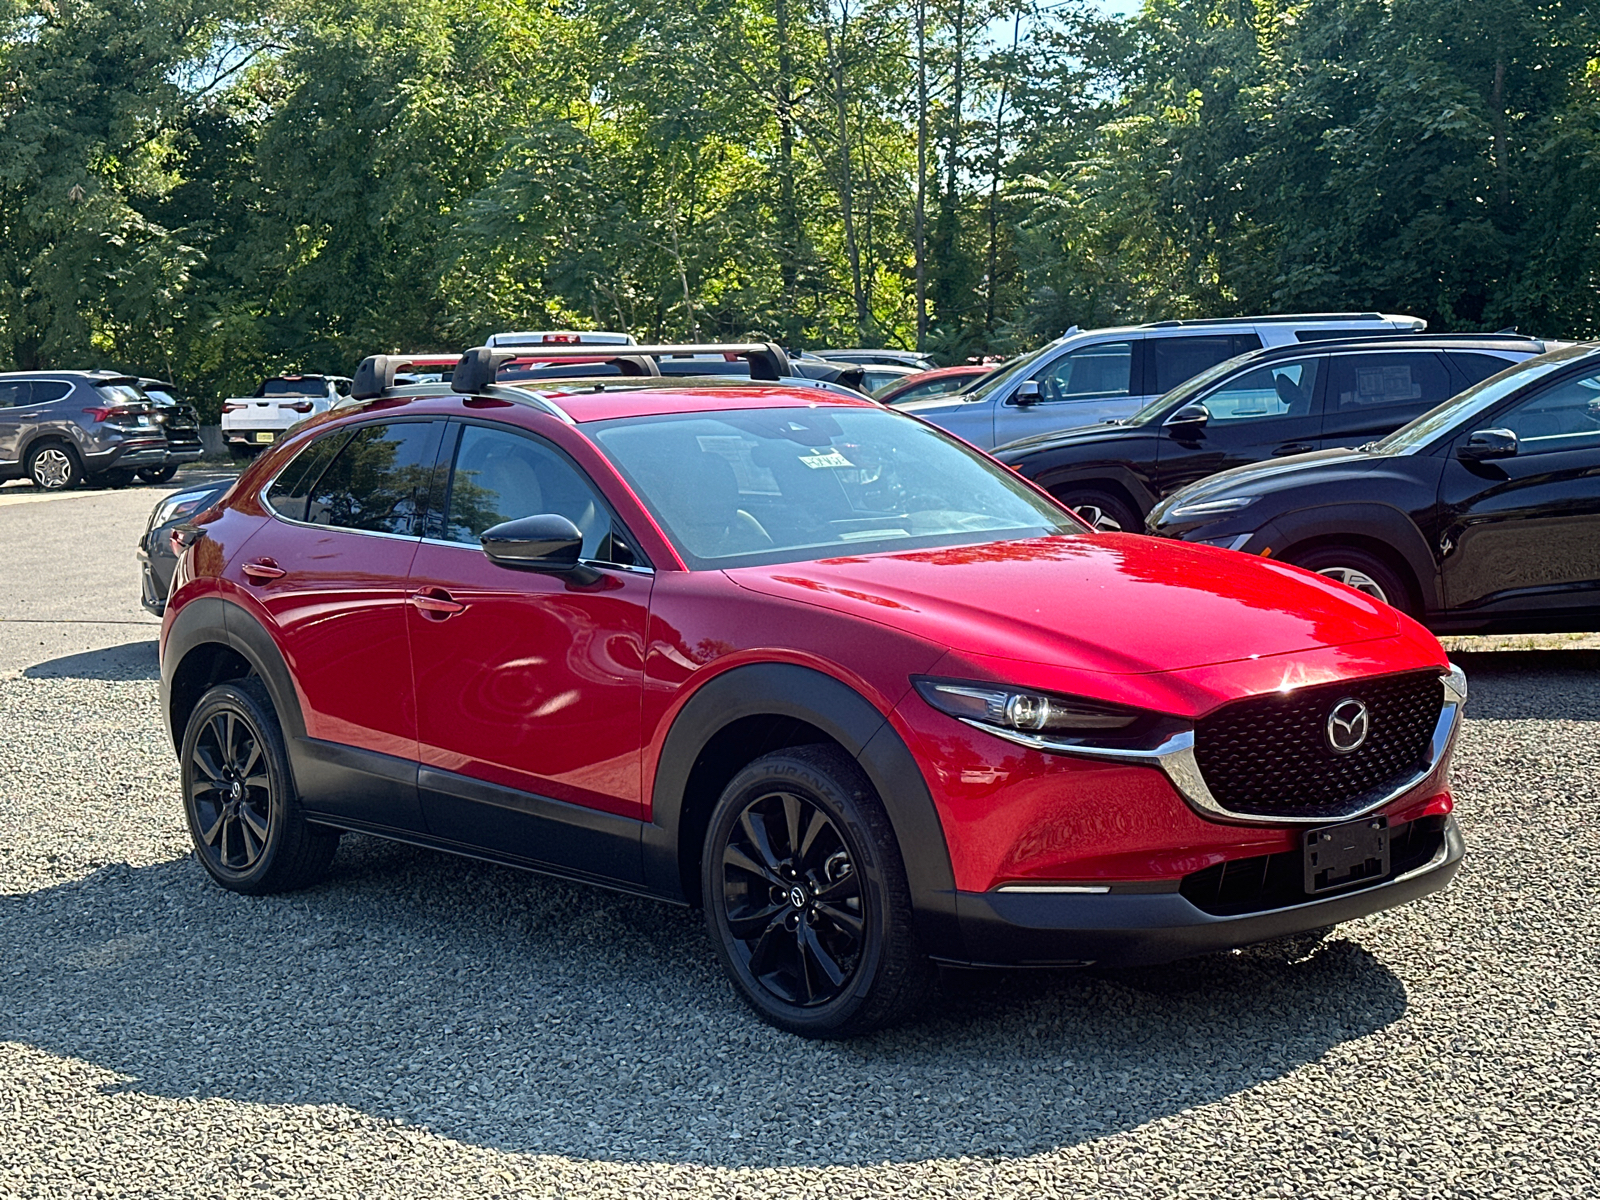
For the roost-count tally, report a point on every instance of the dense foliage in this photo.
(211, 189)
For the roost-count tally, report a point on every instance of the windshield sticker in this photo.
(829, 458)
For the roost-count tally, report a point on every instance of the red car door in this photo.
(330, 569)
(527, 684)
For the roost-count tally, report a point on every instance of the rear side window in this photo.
(378, 482)
(1360, 382)
(290, 489)
(1478, 367)
(1177, 359)
(47, 390)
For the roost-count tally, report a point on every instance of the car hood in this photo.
(935, 405)
(1083, 435)
(1273, 475)
(1114, 603)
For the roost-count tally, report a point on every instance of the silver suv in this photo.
(59, 427)
(1087, 377)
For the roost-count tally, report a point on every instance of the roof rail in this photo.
(1282, 318)
(478, 366)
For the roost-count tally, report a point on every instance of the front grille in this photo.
(1269, 756)
(1268, 881)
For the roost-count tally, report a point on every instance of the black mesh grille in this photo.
(1269, 755)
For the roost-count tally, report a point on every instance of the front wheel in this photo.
(806, 897)
(1359, 569)
(244, 816)
(1104, 511)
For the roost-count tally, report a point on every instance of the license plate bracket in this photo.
(1337, 856)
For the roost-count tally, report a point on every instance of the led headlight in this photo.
(1212, 508)
(179, 504)
(1028, 712)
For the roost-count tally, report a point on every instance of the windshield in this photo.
(1188, 389)
(1017, 368)
(798, 484)
(294, 387)
(1468, 404)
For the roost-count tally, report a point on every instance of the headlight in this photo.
(1212, 508)
(177, 505)
(1028, 712)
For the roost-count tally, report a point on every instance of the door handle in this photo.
(1293, 448)
(436, 604)
(263, 570)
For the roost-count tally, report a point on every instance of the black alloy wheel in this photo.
(806, 896)
(1106, 512)
(54, 466)
(158, 474)
(244, 819)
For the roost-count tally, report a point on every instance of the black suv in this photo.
(59, 427)
(1268, 403)
(180, 421)
(1482, 516)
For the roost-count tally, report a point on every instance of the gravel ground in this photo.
(421, 1025)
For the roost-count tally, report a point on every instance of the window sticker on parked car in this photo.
(1386, 385)
(826, 458)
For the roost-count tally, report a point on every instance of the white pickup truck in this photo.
(252, 423)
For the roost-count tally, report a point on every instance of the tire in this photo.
(239, 798)
(157, 474)
(114, 479)
(1360, 569)
(54, 466)
(1105, 511)
(818, 943)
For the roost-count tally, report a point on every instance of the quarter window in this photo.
(292, 487)
(501, 476)
(1360, 382)
(46, 391)
(1090, 373)
(378, 482)
(1181, 358)
(1566, 417)
(1285, 389)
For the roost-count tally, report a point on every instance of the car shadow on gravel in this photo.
(134, 660)
(529, 1015)
(1532, 685)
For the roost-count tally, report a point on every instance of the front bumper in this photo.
(1126, 929)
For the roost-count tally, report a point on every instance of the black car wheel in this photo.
(1360, 569)
(244, 817)
(114, 479)
(54, 466)
(158, 474)
(806, 897)
(1103, 510)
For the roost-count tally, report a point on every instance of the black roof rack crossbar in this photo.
(478, 366)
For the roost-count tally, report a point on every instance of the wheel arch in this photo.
(1377, 528)
(212, 640)
(752, 710)
(1118, 481)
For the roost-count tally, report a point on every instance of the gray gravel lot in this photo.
(427, 1026)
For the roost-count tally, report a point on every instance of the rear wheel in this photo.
(1360, 569)
(114, 479)
(1105, 511)
(158, 474)
(806, 897)
(244, 816)
(54, 467)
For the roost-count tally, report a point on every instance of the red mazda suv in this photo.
(869, 699)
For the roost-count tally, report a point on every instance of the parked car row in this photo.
(868, 698)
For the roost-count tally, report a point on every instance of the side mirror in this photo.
(1189, 419)
(1027, 393)
(1488, 443)
(547, 543)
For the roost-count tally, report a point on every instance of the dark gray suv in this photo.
(58, 428)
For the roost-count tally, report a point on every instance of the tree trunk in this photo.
(994, 178)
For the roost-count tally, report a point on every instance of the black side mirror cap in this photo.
(1190, 417)
(547, 543)
(1484, 444)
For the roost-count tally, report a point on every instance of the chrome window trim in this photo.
(1176, 758)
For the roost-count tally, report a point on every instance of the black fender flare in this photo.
(785, 689)
(1378, 522)
(211, 620)
(1103, 474)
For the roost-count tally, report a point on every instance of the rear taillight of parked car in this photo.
(303, 406)
(119, 414)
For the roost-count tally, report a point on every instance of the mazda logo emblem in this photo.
(1348, 724)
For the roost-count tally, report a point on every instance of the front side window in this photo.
(798, 484)
(1284, 389)
(1565, 417)
(1360, 382)
(378, 482)
(1091, 373)
(501, 475)
(14, 392)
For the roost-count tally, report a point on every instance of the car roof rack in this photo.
(478, 366)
